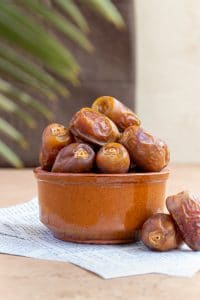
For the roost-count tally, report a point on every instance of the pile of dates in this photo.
(163, 232)
(106, 138)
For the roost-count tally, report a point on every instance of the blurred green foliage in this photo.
(31, 56)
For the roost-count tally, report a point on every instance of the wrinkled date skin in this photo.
(185, 210)
(74, 158)
(113, 158)
(95, 147)
(147, 152)
(116, 111)
(160, 233)
(93, 127)
(55, 136)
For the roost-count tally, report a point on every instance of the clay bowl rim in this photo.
(111, 178)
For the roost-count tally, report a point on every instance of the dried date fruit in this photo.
(116, 111)
(55, 136)
(74, 158)
(95, 147)
(160, 233)
(147, 152)
(113, 158)
(93, 127)
(185, 210)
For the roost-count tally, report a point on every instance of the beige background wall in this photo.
(168, 73)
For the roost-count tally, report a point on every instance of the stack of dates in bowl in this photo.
(102, 176)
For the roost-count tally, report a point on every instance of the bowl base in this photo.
(66, 238)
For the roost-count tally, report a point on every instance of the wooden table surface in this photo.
(28, 279)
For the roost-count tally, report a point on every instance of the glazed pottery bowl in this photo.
(99, 208)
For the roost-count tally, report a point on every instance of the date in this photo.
(160, 233)
(116, 111)
(93, 127)
(113, 158)
(74, 158)
(55, 136)
(185, 210)
(146, 151)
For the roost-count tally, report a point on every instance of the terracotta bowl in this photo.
(98, 208)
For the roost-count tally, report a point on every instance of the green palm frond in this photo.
(75, 13)
(12, 92)
(42, 77)
(9, 69)
(10, 155)
(13, 133)
(108, 10)
(27, 34)
(9, 106)
(33, 57)
(60, 23)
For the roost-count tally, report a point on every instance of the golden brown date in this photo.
(160, 233)
(185, 210)
(55, 136)
(116, 111)
(93, 127)
(113, 158)
(74, 158)
(146, 151)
